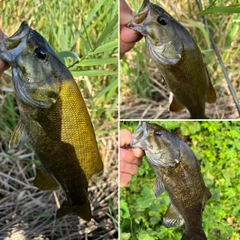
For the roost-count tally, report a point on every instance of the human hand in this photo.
(130, 159)
(128, 37)
(3, 65)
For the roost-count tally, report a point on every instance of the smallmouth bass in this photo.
(177, 57)
(178, 172)
(53, 118)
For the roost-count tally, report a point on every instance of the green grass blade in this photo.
(92, 73)
(224, 10)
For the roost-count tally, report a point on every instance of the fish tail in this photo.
(194, 234)
(83, 211)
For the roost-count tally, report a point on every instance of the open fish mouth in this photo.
(11, 46)
(137, 23)
(139, 135)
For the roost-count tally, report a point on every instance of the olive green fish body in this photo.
(178, 172)
(187, 193)
(54, 119)
(181, 80)
(177, 57)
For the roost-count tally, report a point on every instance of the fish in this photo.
(53, 118)
(178, 172)
(177, 57)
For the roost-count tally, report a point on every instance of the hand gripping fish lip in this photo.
(138, 135)
(10, 46)
(137, 23)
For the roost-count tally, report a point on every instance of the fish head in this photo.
(150, 137)
(161, 147)
(160, 31)
(36, 68)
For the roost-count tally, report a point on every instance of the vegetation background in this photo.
(144, 95)
(75, 29)
(216, 146)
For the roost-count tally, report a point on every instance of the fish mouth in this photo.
(139, 135)
(9, 47)
(137, 23)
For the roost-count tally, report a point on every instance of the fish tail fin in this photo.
(83, 211)
(194, 234)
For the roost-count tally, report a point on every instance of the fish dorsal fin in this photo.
(158, 187)
(176, 106)
(45, 181)
(172, 218)
(19, 135)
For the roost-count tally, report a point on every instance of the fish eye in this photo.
(158, 133)
(40, 53)
(162, 20)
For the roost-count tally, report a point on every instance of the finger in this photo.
(125, 137)
(125, 179)
(130, 36)
(3, 66)
(128, 168)
(125, 47)
(127, 155)
(125, 13)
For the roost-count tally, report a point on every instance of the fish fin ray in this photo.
(83, 211)
(19, 135)
(176, 106)
(206, 196)
(194, 234)
(172, 219)
(158, 187)
(211, 94)
(45, 181)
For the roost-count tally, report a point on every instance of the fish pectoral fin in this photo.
(19, 135)
(158, 187)
(83, 211)
(172, 218)
(176, 106)
(45, 181)
(206, 196)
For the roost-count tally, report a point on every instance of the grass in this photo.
(84, 34)
(216, 146)
(145, 95)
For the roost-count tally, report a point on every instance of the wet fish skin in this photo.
(53, 118)
(178, 172)
(177, 57)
